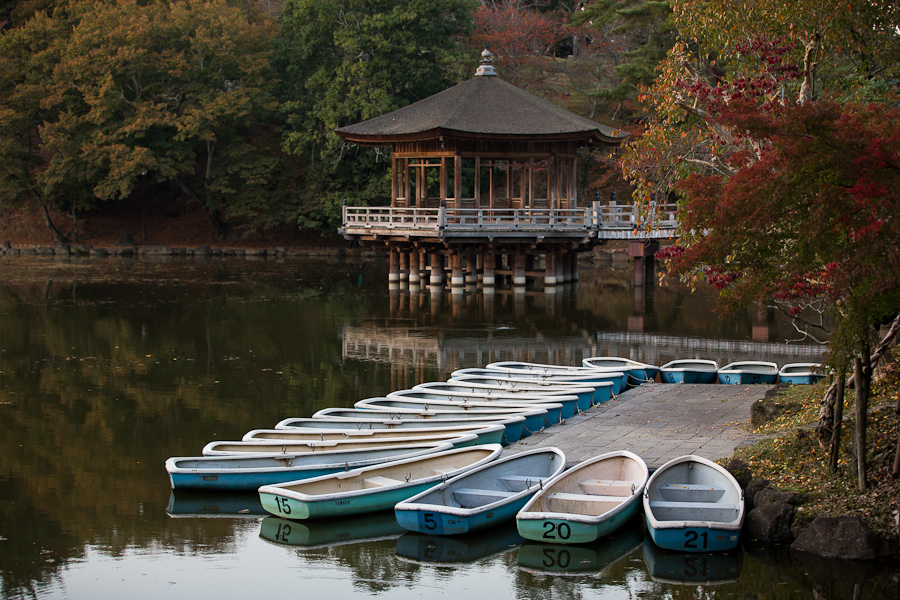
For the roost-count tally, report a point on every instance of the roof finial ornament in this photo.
(486, 69)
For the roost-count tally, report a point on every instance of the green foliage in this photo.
(349, 60)
(109, 94)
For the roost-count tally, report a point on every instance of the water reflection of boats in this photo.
(183, 503)
(605, 551)
(330, 532)
(690, 568)
(421, 547)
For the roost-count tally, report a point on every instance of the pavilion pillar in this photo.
(550, 268)
(471, 268)
(437, 269)
(404, 265)
(456, 272)
(573, 266)
(519, 258)
(414, 275)
(479, 264)
(394, 270)
(489, 261)
(561, 266)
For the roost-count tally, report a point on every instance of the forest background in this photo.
(231, 105)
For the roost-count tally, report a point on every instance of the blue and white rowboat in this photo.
(748, 372)
(637, 372)
(237, 473)
(602, 390)
(801, 373)
(483, 497)
(692, 504)
(689, 370)
(583, 395)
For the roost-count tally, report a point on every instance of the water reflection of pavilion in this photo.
(412, 350)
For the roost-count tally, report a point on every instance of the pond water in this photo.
(108, 367)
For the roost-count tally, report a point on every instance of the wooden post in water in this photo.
(437, 269)
(404, 265)
(490, 262)
(414, 276)
(519, 268)
(394, 258)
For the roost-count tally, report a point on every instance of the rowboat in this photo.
(537, 416)
(691, 568)
(583, 395)
(588, 376)
(748, 371)
(424, 548)
(244, 472)
(689, 370)
(601, 390)
(482, 497)
(568, 402)
(801, 373)
(608, 550)
(330, 532)
(637, 372)
(514, 423)
(587, 502)
(371, 488)
(222, 448)
(694, 505)
(486, 434)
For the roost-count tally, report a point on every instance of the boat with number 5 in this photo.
(692, 504)
(483, 497)
(371, 488)
(587, 502)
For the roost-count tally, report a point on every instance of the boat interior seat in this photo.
(379, 481)
(589, 504)
(690, 492)
(472, 497)
(608, 487)
(520, 483)
(721, 512)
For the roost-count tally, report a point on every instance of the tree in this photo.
(784, 178)
(346, 61)
(142, 91)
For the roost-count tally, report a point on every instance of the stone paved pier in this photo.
(658, 422)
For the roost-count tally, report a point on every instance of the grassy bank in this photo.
(794, 460)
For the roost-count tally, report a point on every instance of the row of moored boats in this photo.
(432, 453)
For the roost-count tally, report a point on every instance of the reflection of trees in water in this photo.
(373, 564)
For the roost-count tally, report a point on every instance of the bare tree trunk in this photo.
(838, 423)
(896, 472)
(49, 222)
(826, 409)
(863, 373)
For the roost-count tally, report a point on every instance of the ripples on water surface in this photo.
(108, 367)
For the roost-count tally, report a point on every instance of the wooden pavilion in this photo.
(484, 181)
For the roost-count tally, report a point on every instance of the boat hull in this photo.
(293, 508)
(575, 531)
(695, 539)
(687, 376)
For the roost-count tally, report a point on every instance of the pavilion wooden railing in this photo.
(609, 221)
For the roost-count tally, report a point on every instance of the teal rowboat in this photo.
(483, 497)
(485, 434)
(600, 391)
(692, 504)
(371, 488)
(246, 472)
(587, 502)
(220, 448)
